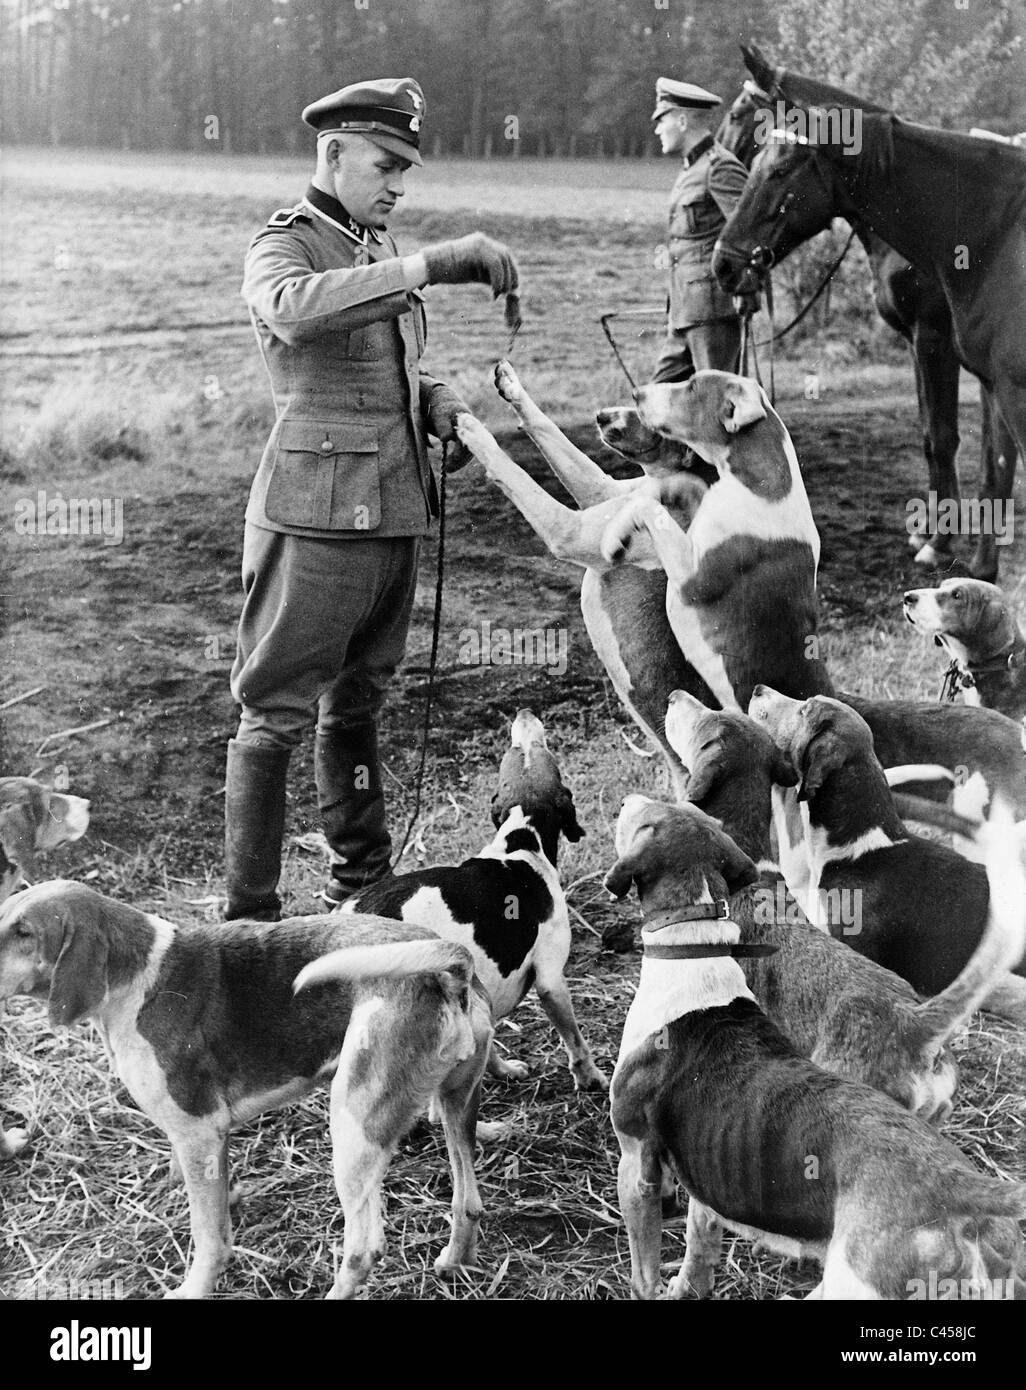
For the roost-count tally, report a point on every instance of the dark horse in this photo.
(795, 192)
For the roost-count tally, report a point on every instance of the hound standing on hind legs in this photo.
(624, 607)
(741, 578)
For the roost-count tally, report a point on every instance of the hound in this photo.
(506, 905)
(848, 1014)
(34, 819)
(205, 1030)
(975, 625)
(923, 907)
(766, 1143)
(741, 577)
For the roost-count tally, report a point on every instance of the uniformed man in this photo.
(703, 328)
(344, 491)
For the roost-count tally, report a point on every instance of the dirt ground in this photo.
(136, 641)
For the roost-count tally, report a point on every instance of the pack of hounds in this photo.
(756, 1037)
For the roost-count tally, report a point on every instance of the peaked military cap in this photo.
(677, 96)
(389, 112)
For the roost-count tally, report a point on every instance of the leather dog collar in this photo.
(699, 952)
(697, 912)
(700, 912)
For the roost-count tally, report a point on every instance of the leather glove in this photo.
(443, 407)
(472, 259)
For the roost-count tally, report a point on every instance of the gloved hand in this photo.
(443, 407)
(472, 259)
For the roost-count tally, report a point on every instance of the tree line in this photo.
(501, 77)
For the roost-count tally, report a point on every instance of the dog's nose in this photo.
(758, 692)
(911, 598)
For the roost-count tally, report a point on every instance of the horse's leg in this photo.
(937, 389)
(998, 456)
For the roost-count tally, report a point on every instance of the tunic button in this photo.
(327, 446)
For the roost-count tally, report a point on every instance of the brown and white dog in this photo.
(767, 1143)
(34, 819)
(922, 907)
(739, 566)
(975, 625)
(206, 1029)
(506, 905)
(849, 1014)
(624, 607)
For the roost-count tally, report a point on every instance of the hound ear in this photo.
(781, 771)
(568, 821)
(738, 870)
(626, 869)
(704, 774)
(742, 405)
(824, 753)
(18, 836)
(79, 981)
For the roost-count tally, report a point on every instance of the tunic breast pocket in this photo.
(325, 476)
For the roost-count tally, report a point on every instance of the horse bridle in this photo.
(762, 258)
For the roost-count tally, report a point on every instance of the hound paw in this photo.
(507, 383)
(474, 435)
(617, 536)
(512, 1070)
(587, 1077)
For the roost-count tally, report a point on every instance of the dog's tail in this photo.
(1003, 943)
(392, 960)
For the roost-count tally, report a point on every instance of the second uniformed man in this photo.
(344, 491)
(703, 328)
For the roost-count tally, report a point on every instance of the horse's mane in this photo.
(987, 162)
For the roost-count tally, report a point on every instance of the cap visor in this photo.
(394, 145)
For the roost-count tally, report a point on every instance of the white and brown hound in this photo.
(34, 819)
(624, 607)
(849, 1014)
(767, 1143)
(740, 566)
(506, 905)
(206, 1030)
(974, 623)
(923, 907)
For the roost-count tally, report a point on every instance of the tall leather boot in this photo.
(347, 769)
(254, 822)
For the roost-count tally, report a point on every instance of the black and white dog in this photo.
(506, 905)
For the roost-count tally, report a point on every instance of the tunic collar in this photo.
(329, 209)
(706, 143)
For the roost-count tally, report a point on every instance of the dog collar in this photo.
(698, 912)
(699, 952)
(963, 677)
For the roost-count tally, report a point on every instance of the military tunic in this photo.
(344, 490)
(702, 323)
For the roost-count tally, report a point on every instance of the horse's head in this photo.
(790, 196)
(737, 129)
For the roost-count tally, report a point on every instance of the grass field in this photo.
(130, 373)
